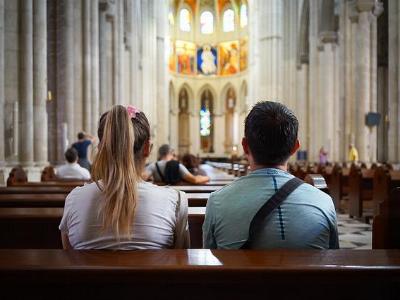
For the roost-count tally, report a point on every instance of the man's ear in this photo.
(245, 146)
(296, 147)
(146, 149)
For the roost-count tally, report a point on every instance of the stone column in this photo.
(302, 106)
(314, 84)
(87, 66)
(40, 81)
(362, 79)
(271, 46)
(394, 82)
(103, 58)
(26, 85)
(65, 74)
(95, 86)
(2, 48)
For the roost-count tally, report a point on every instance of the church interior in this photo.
(196, 68)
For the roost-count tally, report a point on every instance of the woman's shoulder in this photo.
(158, 192)
(87, 191)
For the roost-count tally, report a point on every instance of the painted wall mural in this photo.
(228, 55)
(207, 60)
(185, 53)
(244, 50)
(224, 59)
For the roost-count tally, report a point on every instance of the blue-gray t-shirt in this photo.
(306, 219)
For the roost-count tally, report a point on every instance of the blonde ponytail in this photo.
(114, 171)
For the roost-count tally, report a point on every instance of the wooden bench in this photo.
(37, 228)
(58, 200)
(360, 192)
(384, 181)
(339, 187)
(386, 225)
(200, 274)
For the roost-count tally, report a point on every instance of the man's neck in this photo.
(254, 167)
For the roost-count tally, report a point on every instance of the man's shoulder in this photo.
(307, 194)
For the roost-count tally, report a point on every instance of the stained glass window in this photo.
(229, 20)
(207, 22)
(185, 20)
(205, 118)
(171, 19)
(243, 15)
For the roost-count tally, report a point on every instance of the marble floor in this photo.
(354, 234)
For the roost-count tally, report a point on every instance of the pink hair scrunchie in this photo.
(132, 111)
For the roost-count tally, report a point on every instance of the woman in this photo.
(119, 210)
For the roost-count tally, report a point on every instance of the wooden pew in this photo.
(384, 181)
(360, 192)
(339, 187)
(58, 200)
(200, 274)
(385, 228)
(36, 189)
(37, 228)
(197, 188)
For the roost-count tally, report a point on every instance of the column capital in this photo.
(378, 9)
(327, 37)
(365, 5)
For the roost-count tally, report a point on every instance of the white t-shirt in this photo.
(151, 169)
(72, 171)
(160, 220)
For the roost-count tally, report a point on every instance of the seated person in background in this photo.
(191, 162)
(305, 219)
(170, 171)
(82, 145)
(72, 170)
(119, 210)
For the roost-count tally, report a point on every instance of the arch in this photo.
(209, 87)
(183, 120)
(206, 120)
(228, 19)
(191, 104)
(206, 22)
(185, 19)
(231, 120)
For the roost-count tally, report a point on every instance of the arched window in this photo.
(229, 20)
(243, 15)
(206, 22)
(185, 20)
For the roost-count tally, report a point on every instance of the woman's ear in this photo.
(147, 148)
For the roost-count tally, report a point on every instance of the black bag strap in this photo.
(159, 173)
(269, 207)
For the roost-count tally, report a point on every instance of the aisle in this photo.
(354, 234)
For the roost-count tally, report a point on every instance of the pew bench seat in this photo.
(200, 274)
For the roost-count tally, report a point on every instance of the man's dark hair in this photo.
(71, 155)
(164, 150)
(81, 136)
(271, 133)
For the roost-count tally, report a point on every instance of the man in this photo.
(81, 146)
(353, 154)
(72, 170)
(158, 169)
(305, 219)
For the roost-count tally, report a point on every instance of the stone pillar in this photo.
(2, 94)
(314, 84)
(103, 58)
(394, 82)
(271, 49)
(326, 130)
(40, 81)
(363, 79)
(87, 66)
(26, 85)
(65, 74)
(95, 86)
(302, 106)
